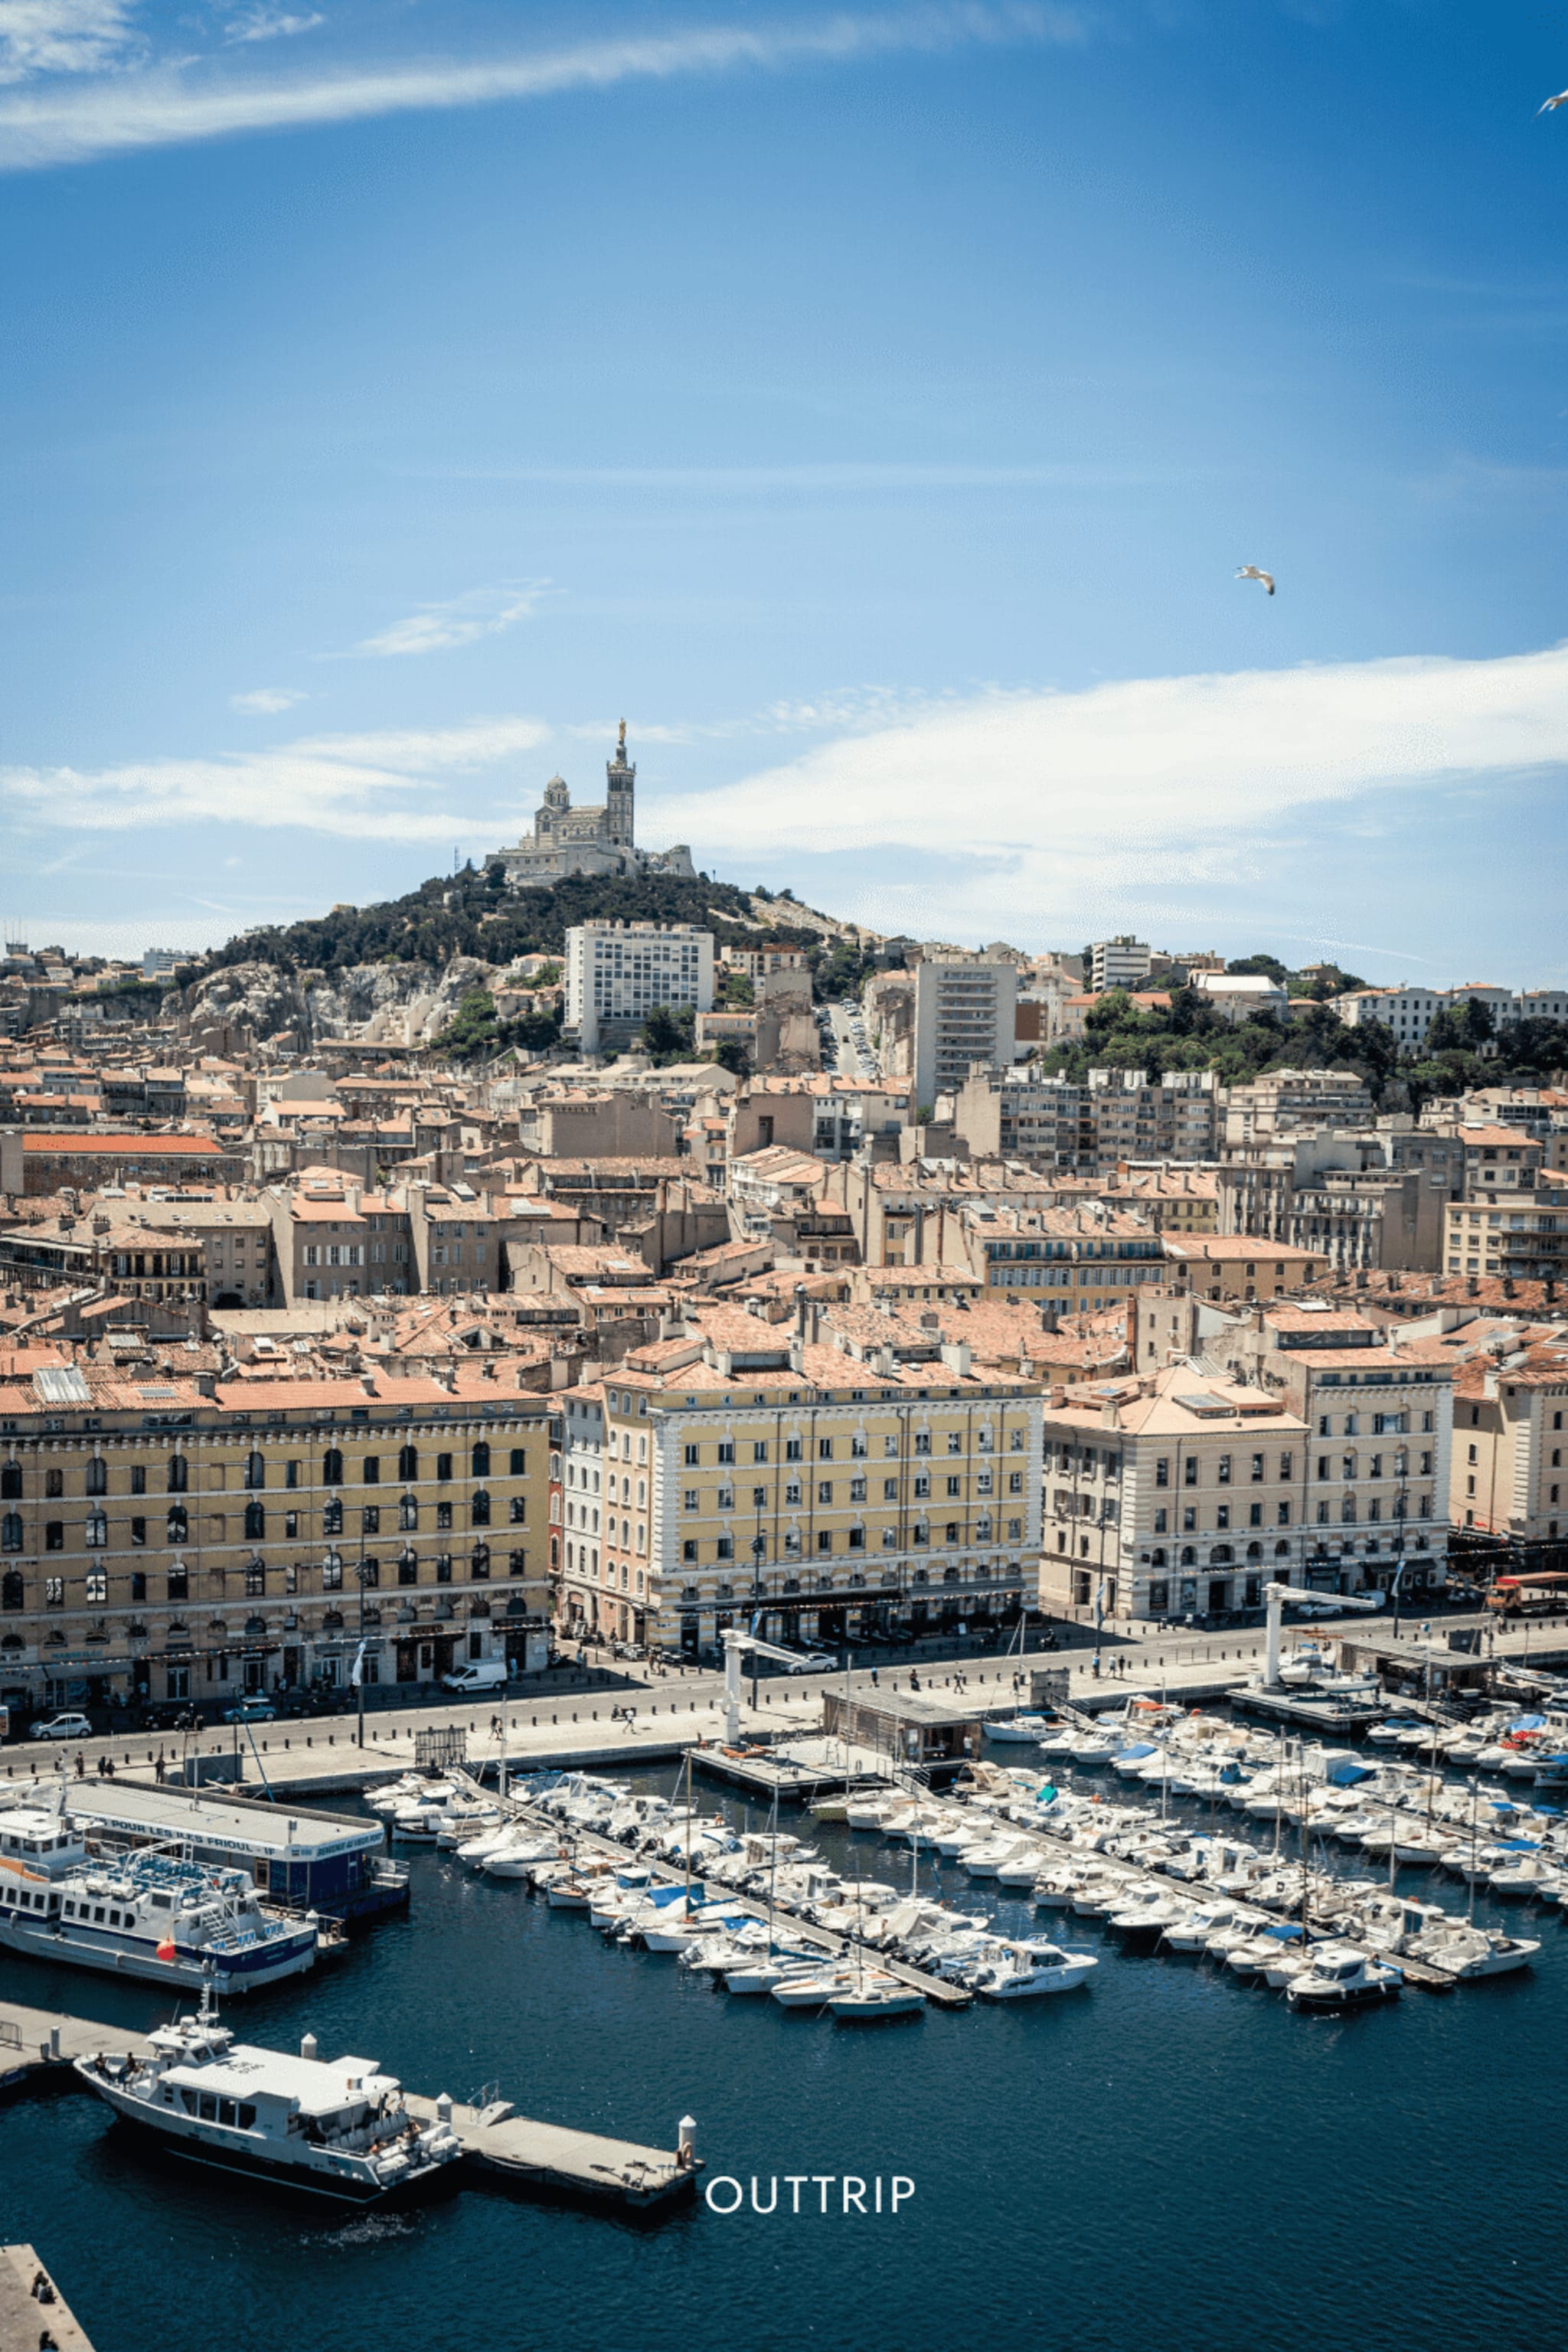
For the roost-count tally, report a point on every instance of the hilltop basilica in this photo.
(568, 840)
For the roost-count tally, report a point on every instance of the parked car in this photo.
(61, 1727)
(251, 1710)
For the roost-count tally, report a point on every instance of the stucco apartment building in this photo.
(809, 1467)
(1178, 1494)
(1378, 1402)
(1509, 1467)
(174, 1538)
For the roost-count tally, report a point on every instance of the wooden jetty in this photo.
(37, 2046)
(33, 2311)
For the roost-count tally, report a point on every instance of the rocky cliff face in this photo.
(391, 1003)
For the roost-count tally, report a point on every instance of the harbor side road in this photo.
(647, 1715)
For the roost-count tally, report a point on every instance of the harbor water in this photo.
(1168, 2151)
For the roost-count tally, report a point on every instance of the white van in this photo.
(479, 1674)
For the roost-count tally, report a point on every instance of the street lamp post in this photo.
(759, 1553)
(359, 1659)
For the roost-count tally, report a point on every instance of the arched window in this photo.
(479, 1507)
(97, 1530)
(255, 1522)
(54, 1482)
(482, 1464)
(1281, 1550)
(1189, 1556)
(11, 1532)
(255, 1628)
(11, 1482)
(179, 1524)
(256, 1469)
(479, 1560)
(13, 1592)
(1157, 1559)
(97, 1477)
(332, 1467)
(408, 1511)
(1221, 1556)
(179, 1474)
(1255, 1551)
(408, 1462)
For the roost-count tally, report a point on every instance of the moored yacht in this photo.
(335, 2129)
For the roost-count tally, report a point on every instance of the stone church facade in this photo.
(595, 840)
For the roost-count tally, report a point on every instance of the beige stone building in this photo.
(172, 1539)
(808, 1468)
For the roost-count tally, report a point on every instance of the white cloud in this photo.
(378, 787)
(270, 24)
(174, 105)
(1036, 807)
(62, 36)
(461, 621)
(263, 701)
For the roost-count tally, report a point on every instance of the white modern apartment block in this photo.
(617, 972)
(1410, 1012)
(965, 1011)
(1121, 963)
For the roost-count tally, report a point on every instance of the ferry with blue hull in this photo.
(335, 2131)
(142, 1915)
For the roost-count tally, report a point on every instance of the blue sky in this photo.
(872, 404)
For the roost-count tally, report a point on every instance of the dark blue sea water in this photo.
(1168, 2155)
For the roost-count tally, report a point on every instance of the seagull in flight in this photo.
(1553, 104)
(1250, 572)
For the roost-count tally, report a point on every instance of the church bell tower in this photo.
(620, 809)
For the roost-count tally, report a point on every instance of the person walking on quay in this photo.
(160, 1769)
(81, 1766)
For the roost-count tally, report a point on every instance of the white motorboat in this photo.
(1524, 1875)
(1031, 1969)
(1469, 1952)
(1341, 1976)
(338, 2129)
(1024, 1729)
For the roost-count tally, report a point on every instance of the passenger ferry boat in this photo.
(139, 1914)
(335, 2129)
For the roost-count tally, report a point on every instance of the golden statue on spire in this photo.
(621, 743)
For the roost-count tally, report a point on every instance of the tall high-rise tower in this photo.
(620, 808)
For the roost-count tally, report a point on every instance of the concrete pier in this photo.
(552, 2157)
(33, 2311)
(36, 2047)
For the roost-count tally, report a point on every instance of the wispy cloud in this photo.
(269, 25)
(265, 701)
(461, 621)
(178, 102)
(385, 786)
(1038, 809)
(62, 36)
